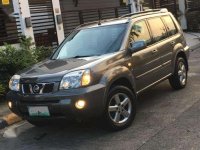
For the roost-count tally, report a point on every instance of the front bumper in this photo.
(61, 104)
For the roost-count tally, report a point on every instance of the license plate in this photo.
(39, 111)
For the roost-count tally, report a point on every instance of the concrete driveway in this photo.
(166, 119)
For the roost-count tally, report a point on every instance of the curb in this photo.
(8, 120)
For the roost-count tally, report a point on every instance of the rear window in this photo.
(158, 29)
(172, 30)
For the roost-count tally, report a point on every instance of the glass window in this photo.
(170, 25)
(158, 29)
(140, 32)
(92, 42)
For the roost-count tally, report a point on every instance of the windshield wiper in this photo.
(83, 56)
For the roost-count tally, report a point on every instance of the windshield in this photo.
(92, 42)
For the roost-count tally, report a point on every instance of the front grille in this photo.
(37, 88)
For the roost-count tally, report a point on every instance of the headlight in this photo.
(76, 79)
(14, 83)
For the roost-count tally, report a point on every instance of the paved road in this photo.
(166, 119)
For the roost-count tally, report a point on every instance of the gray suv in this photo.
(100, 68)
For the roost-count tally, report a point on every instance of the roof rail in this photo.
(162, 10)
(95, 22)
(88, 23)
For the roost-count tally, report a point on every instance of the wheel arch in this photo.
(122, 81)
(182, 54)
(120, 75)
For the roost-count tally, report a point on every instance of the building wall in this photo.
(68, 5)
(9, 27)
(90, 10)
(148, 4)
(193, 15)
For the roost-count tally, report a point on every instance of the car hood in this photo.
(55, 69)
(48, 67)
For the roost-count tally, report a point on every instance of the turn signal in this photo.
(86, 78)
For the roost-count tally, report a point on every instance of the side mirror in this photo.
(136, 46)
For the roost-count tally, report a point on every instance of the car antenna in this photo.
(100, 17)
(99, 22)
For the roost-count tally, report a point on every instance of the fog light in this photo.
(80, 104)
(10, 104)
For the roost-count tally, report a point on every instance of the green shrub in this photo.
(42, 53)
(2, 90)
(14, 59)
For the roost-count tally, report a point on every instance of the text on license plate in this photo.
(40, 111)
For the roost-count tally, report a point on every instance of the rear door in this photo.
(173, 38)
(146, 62)
(164, 47)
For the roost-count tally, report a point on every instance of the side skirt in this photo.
(153, 84)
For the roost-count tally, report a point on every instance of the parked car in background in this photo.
(100, 68)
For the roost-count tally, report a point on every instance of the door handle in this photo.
(154, 51)
(172, 43)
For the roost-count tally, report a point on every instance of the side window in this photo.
(158, 29)
(170, 25)
(140, 32)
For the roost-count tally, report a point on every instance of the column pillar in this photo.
(59, 26)
(21, 7)
(133, 5)
(182, 17)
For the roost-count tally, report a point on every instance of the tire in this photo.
(120, 113)
(38, 123)
(179, 79)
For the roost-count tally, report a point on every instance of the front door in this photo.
(146, 62)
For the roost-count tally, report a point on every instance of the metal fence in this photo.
(10, 30)
(43, 23)
(193, 15)
(71, 19)
(171, 5)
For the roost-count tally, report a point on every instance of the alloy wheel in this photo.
(182, 73)
(120, 108)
